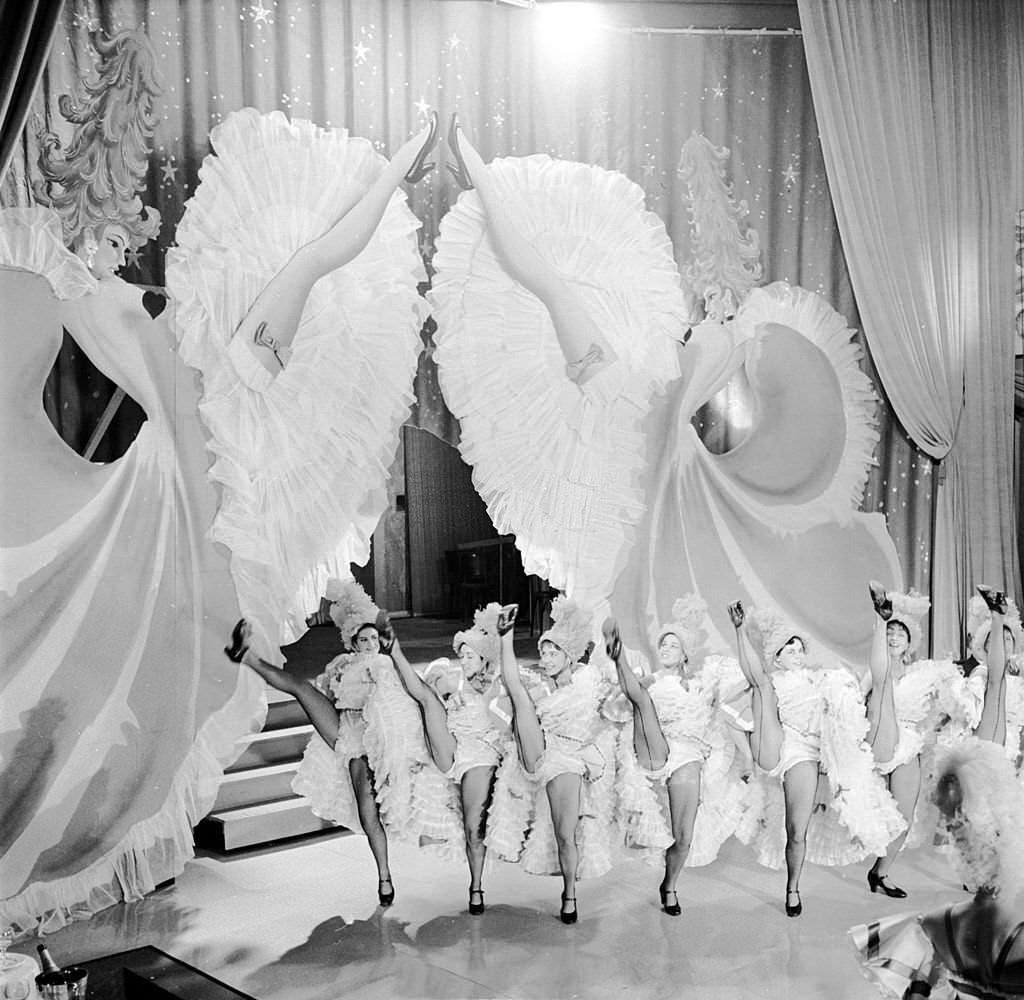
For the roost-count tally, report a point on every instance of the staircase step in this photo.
(232, 829)
(273, 746)
(283, 711)
(253, 785)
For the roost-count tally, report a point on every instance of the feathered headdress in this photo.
(351, 608)
(981, 807)
(689, 615)
(979, 624)
(570, 628)
(482, 638)
(445, 678)
(770, 628)
(908, 609)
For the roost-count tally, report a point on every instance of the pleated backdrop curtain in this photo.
(623, 99)
(913, 105)
(26, 31)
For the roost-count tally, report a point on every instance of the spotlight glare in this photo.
(569, 29)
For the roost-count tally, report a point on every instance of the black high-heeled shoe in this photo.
(507, 618)
(419, 169)
(239, 646)
(458, 169)
(794, 911)
(476, 908)
(877, 883)
(565, 917)
(672, 909)
(386, 898)
(612, 640)
(881, 600)
(994, 599)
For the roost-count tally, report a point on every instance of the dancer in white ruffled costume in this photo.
(607, 487)
(679, 783)
(906, 700)
(553, 799)
(465, 739)
(808, 726)
(974, 948)
(367, 766)
(994, 629)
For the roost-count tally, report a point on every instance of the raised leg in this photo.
(578, 334)
(883, 731)
(281, 302)
(564, 796)
(318, 707)
(649, 743)
(993, 713)
(438, 736)
(525, 724)
(798, 786)
(683, 802)
(477, 784)
(766, 738)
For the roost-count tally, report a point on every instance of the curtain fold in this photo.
(26, 33)
(913, 105)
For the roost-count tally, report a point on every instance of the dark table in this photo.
(151, 974)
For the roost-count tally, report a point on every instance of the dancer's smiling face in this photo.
(670, 651)
(553, 659)
(897, 638)
(792, 656)
(470, 661)
(367, 640)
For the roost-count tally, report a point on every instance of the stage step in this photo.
(273, 746)
(253, 785)
(250, 826)
(283, 711)
(255, 803)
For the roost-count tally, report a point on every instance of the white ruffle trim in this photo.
(519, 827)
(31, 239)
(155, 849)
(303, 465)
(556, 462)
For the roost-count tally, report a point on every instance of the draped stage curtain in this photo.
(913, 103)
(627, 101)
(26, 31)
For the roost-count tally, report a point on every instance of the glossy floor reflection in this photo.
(302, 923)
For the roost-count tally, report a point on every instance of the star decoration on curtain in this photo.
(790, 176)
(259, 14)
(168, 171)
(498, 119)
(132, 257)
(360, 51)
(422, 107)
(718, 90)
(454, 42)
(84, 19)
(649, 168)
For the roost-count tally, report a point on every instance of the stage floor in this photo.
(301, 922)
